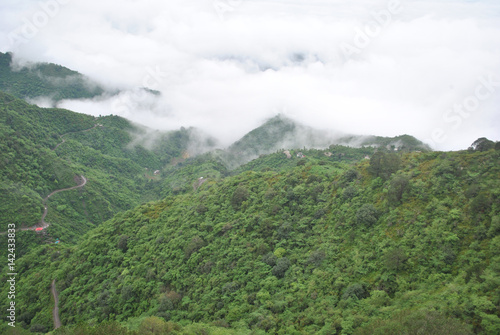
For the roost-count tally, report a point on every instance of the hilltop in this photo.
(45, 80)
(281, 132)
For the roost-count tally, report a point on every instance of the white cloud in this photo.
(226, 73)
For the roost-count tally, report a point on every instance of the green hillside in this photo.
(290, 230)
(42, 150)
(389, 245)
(45, 80)
(280, 133)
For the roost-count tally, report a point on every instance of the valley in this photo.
(289, 230)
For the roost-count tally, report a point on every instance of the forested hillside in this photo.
(170, 235)
(43, 150)
(395, 244)
(282, 133)
(45, 80)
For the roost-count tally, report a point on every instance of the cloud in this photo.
(225, 66)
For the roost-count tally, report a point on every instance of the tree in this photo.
(123, 243)
(154, 325)
(481, 203)
(366, 215)
(384, 164)
(354, 291)
(399, 184)
(349, 192)
(482, 144)
(416, 323)
(239, 196)
(280, 268)
(395, 258)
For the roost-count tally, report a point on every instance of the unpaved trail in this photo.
(43, 224)
(71, 132)
(55, 311)
(83, 181)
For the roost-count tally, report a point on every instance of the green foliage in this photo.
(282, 265)
(356, 291)
(47, 80)
(366, 215)
(384, 164)
(482, 144)
(336, 245)
(123, 243)
(417, 322)
(397, 188)
(239, 196)
(37, 158)
(395, 259)
(258, 257)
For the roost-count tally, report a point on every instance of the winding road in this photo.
(43, 224)
(72, 132)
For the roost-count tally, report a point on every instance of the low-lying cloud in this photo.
(362, 67)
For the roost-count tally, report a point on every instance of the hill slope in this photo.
(43, 150)
(324, 247)
(280, 133)
(45, 80)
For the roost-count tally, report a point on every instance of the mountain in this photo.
(386, 245)
(45, 80)
(47, 149)
(280, 132)
(287, 231)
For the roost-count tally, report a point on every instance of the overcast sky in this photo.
(426, 68)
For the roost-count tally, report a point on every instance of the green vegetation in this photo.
(326, 247)
(279, 133)
(378, 239)
(39, 157)
(45, 80)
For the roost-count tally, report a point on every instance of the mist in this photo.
(430, 69)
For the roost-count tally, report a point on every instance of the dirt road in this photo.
(55, 311)
(83, 181)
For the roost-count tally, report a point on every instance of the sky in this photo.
(428, 68)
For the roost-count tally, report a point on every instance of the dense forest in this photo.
(45, 149)
(384, 245)
(386, 238)
(45, 80)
